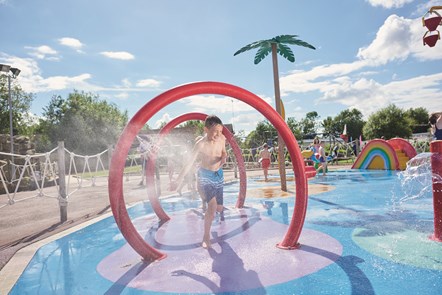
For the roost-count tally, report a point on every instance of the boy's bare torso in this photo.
(211, 153)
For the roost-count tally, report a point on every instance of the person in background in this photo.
(436, 125)
(264, 158)
(322, 158)
(146, 148)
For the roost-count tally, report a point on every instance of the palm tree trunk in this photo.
(281, 157)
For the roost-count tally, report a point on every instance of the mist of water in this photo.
(417, 180)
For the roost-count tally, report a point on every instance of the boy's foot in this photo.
(206, 244)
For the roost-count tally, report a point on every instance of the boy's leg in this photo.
(208, 218)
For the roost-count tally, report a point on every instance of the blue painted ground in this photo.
(385, 244)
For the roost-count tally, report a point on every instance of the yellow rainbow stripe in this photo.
(377, 154)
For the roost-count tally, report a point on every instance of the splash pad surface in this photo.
(357, 239)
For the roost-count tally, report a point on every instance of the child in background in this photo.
(264, 157)
(322, 158)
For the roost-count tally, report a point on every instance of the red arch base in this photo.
(124, 143)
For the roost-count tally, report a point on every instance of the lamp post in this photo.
(15, 72)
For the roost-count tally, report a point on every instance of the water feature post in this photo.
(436, 168)
(62, 201)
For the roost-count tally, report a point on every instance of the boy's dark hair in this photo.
(433, 119)
(212, 120)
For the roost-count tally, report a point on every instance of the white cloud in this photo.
(396, 40)
(347, 83)
(123, 55)
(422, 8)
(64, 82)
(32, 80)
(216, 104)
(333, 70)
(369, 95)
(393, 42)
(389, 3)
(126, 83)
(152, 83)
(231, 110)
(164, 119)
(43, 52)
(122, 96)
(72, 43)
(247, 121)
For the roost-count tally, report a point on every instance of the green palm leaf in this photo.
(292, 40)
(281, 41)
(251, 46)
(262, 52)
(286, 52)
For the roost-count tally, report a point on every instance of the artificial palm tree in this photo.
(278, 44)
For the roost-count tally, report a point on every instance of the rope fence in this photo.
(39, 174)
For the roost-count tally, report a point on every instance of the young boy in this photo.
(211, 150)
(264, 157)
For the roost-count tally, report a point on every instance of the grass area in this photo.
(105, 173)
(344, 162)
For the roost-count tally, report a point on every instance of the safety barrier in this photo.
(40, 171)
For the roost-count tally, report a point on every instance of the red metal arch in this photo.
(124, 143)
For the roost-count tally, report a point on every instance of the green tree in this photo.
(264, 132)
(353, 119)
(308, 124)
(295, 127)
(419, 119)
(21, 104)
(197, 125)
(276, 45)
(328, 126)
(388, 122)
(85, 123)
(240, 138)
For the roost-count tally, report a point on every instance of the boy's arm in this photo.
(223, 155)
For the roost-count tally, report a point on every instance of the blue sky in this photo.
(369, 53)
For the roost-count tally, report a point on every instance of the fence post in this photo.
(110, 150)
(357, 147)
(62, 201)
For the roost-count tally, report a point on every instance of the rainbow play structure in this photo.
(382, 154)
